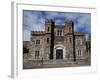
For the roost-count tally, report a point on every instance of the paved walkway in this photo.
(54, 64)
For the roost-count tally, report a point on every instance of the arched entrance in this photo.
(59, 52)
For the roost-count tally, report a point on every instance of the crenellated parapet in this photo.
(79, 33)
(33, 33)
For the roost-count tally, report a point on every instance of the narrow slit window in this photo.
(47, 40)
(48, 29)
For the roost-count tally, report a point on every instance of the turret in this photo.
(69, 31)
(49, 26)
(69, 26)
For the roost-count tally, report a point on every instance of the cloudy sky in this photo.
(34, 20)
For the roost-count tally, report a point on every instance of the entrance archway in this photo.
(59, 54)
(59, 51)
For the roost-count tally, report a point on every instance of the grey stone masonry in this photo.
(57, 42)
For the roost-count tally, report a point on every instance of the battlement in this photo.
(48, 20)
(79, 33)
(37, 32)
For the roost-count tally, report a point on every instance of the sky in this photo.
(35, 20)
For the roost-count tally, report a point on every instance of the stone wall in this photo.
(72, 43)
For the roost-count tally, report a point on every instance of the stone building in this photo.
(57, 42)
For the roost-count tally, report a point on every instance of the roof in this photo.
(79, 33)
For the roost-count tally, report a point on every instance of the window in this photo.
(79, 53)
(58, 33)
(47, 40)
(25, 50)
(37, 41)
(48, 29)
(70, 40)
(36, 54)
(69, 29)
(79, 42)
(62, 33)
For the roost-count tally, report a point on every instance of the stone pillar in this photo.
(54, 54)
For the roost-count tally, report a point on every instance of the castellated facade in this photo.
(57, 42)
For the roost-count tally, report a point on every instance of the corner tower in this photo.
(69, 25)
